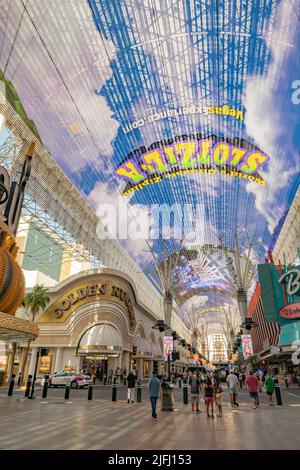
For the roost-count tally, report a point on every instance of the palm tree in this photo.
(32, 302)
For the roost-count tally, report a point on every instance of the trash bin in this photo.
(167, 399)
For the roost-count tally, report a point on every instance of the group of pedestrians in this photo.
(255, 383)
(206, 387)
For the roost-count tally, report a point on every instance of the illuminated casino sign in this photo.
(189, 154)
(292, 277)
(280, 291)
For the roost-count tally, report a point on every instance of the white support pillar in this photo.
(58, 359)
(140, 368)
(126, 361)
(32, 361)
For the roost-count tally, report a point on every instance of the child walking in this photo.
(218, 399)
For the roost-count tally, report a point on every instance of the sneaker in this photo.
(198, 411)
(193, 411)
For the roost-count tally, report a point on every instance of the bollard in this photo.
(67, 391)
(278, 393)
(286, 381)
(179, 382)
(139, 393)
(185, 392)
(11, 385)
(19, 379)
(114, 390)
(28, 385)
(90, 391)
(45, 387)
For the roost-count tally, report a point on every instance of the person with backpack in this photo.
(131, 379)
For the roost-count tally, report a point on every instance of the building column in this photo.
(126, 361)
(22, 358)
(31, 368)
(58, 359)
(151, 368)
(140, 368)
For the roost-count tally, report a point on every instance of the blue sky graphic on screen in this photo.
(193, 103)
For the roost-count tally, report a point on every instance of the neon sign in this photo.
(293, 284)
(292, 288)
(150, 166)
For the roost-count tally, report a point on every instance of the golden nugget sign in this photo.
(83, 294)
(188, 154)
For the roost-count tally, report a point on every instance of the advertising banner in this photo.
(168, 347)
(247, 346)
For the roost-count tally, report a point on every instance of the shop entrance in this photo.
(96, 366)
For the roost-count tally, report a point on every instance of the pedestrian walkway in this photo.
(54, 423)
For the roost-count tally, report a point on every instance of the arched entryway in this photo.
(100, 347)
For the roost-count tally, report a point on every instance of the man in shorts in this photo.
(194, 382)
(233, 383)
(252, 385)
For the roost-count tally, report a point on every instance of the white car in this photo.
(76, 380)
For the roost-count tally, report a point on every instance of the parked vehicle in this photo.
(62, 378)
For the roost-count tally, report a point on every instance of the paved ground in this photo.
(55, 423)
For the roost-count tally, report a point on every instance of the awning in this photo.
(100, 339)
(144, 347)
(156, 350)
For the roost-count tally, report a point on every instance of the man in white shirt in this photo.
(233, 383)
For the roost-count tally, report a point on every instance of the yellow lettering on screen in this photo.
(187, 151)
(153, 162)
(221, 153)
(130, 171)
(254, 161)
(169, 152)
(204, 148)
(237, 154)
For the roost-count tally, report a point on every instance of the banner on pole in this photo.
(247, 346)
(168, 347)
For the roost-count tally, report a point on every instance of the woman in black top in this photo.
(209, 397)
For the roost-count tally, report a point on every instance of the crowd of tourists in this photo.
(206, 387)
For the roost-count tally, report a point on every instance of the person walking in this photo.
(252, 385)
(217, 378)
(232, 383)
(194, 382)
(209, 397)
(131, 379)
(270, 387)
(218, 399)
(154, 389)
(241, 379)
